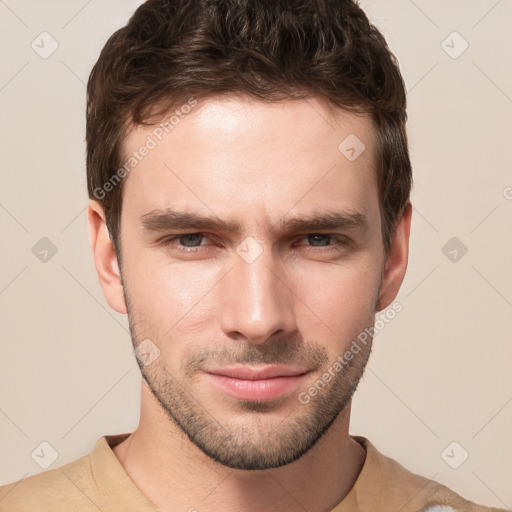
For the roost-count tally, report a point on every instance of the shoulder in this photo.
(409, 492)
(53, 489)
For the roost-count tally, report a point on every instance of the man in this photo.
(249, 184)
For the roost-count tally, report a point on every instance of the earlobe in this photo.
(396, 263)
(105, 257)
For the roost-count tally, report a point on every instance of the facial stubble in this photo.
(253, 443)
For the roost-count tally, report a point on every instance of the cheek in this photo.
(171, 295)
(340, 299)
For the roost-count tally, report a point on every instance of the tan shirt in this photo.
(98, 482)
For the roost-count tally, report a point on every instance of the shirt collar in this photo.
(365, 495)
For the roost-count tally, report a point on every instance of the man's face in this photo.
(255, 290)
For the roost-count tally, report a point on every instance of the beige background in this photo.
(440, 371)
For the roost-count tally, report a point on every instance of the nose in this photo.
(257, 300)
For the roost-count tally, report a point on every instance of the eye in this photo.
(181, 242)
(324, 239)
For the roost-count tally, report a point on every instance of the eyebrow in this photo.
(168, 219)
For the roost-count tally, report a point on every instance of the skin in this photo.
(301, 302)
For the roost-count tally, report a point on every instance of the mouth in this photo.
(257, 384)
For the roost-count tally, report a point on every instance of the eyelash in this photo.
(341, 242)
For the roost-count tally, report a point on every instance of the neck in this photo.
(176, 475)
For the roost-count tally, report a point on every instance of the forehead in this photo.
(257, 160)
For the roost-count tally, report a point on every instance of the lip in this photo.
(258, 384)
(258, 372)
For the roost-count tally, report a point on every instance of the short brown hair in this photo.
(172, 50)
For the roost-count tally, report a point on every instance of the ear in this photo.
(105, 258)
(396, 263)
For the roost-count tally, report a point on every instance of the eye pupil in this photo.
(318, 236)
(187, 237)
